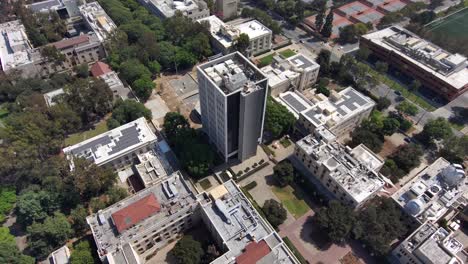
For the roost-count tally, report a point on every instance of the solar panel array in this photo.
(294, 103)
(129, 138)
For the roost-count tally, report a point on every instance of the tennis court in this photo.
(455, 25)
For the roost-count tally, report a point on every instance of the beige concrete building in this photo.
(340, 112)
(350, 174)
(297, 72)
(429, 244)
(224, 35)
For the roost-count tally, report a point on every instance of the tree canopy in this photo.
(81, 254)
(127, 111)
(408, 108)
(274, 212)
(283, 173)
(378, 225)
(337, 220)
(278, 120)
(242, 43)
(195, 154)
(187, 251)
(408, 156)
(436, 129)
(52, 233)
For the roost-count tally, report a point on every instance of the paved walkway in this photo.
(263, 191)
(304, 235)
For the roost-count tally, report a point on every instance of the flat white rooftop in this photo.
(114, 143)
(330, 111)
(232, 73)
(169, 7)
(97, 19)
(239, 225)
(354, 176)
(15, 48)
(448, 67)
(433, 191)
(226, 34)
(432, 244)
(288, 69)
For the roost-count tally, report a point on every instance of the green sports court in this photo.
(455, 25)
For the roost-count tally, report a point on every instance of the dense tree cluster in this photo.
(371, 132)
(190, 251)
(336, 220)
(407, 108)
(127, 111)
(284, 173)
(41, 28)
(33, 136)
(274, 212)
(144, 45)
(190, 146)
(351, 33)
(291, 10)
(7, 201)
(406, 158)
(377, 225)
(278, 120)
(435, 130)
(455, 149)
(81, 254)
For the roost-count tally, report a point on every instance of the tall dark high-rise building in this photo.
(233, 94)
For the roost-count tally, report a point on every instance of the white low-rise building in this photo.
(350, 174)
(193, 9)
(97, 19)
(224, 35)
(117, 147)
(340, 113)
(50, 97)
(429, 244)
(15, 48)
(297, 72)
(437, 189)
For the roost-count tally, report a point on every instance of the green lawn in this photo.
(287, 53)
(455, 25)
(100, 128)
(292, 200)
(398, 87)
(205, 184)
(267, 60)
(285, 142)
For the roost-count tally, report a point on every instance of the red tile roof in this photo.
(71, 42)
(253, 252)
(135, 212)
(100, 68)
